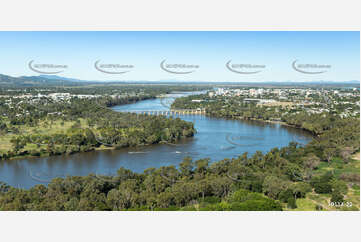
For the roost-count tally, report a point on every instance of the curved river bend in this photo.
(215, 139)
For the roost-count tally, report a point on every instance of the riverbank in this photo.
(51, 137)
(56, 127)
(280, 123)
(264, 121)
(97, 148)
(210, 142)
(105, 147)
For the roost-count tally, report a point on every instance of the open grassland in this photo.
(5, 143)
(314, 200)
(276, 104)
(45, 127)
(52, 127)
(351, 199)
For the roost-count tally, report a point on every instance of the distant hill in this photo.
(53, 81)
(4, 79)
(55, 77)
(29, 81)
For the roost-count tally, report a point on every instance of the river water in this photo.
(215, 139)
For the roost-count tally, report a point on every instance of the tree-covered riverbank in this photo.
(83, 125)
(293, 177)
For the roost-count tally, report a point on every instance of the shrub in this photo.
(257, 205)
(291, 203)
(211, 199)
(319, 207)
(286, 195)
(323, 187)
(337, 197)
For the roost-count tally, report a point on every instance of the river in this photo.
(215, 139)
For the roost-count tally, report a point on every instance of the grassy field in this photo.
(5, 143)
(276, 104)
(352, 197)
(44, 127)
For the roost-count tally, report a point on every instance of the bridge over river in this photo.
(215, 138)
(170, 112)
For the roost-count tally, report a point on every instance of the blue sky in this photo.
(209, 50)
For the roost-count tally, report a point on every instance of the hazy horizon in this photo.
(210, 51)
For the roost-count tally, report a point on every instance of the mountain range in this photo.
(54, 80)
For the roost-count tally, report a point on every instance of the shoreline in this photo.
(267, 121)
(103, 147)
(100, 148)
(277, 122)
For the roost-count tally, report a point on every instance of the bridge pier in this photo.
(174, 112)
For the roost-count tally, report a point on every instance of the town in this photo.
(345, 102)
